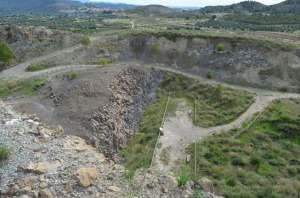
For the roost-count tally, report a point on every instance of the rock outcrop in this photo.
(114, 123)
(30, 42)
(52, 166)
(246, 62)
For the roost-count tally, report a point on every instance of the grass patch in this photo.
(40, 66)
(215, 105)
(4, 153)
(26, 87)
(262, 162)
(103, 61)
(73, 74)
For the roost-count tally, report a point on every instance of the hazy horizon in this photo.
(186, 3)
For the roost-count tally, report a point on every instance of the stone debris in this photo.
(206, 185)
(86, 176)
(113, 188)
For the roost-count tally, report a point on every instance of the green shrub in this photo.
(183, 178)
(237, 161)
(4, 152)
(231, 182)
(73, 75)
(129, 174)
(198, 194)
(6, 54)
(220, 47)
(209, 74)
(283, 89)
(154, 47)
(103, 61)
(85, 40)
(255, 161)
(40, 66)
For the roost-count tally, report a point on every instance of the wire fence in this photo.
(160, 130)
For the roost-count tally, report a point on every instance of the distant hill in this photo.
(50, 6)
(285, 7)
(22, 6)
(151, 10)
(245, 6)
(121, 6)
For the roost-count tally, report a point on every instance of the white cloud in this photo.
(199, 3)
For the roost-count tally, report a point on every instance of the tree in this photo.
(6, 54)
(85, 40)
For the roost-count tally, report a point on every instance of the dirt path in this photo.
(179, 131)
(19, 71)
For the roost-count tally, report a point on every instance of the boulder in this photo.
(86, 176)
(206, 185)
(42, 167)
(113, 188)
(45, 193)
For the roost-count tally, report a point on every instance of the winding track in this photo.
(178, 130)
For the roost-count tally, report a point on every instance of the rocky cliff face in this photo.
(30, 42)
(114, 123)
(241, 62)
(244, 62)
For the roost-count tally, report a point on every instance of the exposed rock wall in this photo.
(30, 42)
(114, 123)
(241, 62)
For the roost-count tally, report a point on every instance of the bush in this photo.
(40, 66)
(103, 61)
(73, 74)
(129, 174)
(183, 178)
(255, 161)
(154, 47)
(6, 54)
(4, 152)
(209, 74)
(237, 161)
(85, 40)
(220, 47)
(283, 89)
(231, 182)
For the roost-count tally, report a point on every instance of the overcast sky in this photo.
(190, 3)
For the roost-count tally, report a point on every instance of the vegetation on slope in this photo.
(215, 105)
(19, 88)
(261, 162)
(6, 54)
(40, 66)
